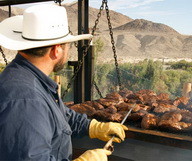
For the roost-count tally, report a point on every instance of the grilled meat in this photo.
(107, 102)
(149, 121)
(174, 121)
(181, 102)
(138, 115)
(151, 110)
(94, 104)
(125, 94)
(127, 106)
(162, 108)
(104, 115)
(186, 116)
(83, 108)
(163, 97)
(115, 96)
(111, 109)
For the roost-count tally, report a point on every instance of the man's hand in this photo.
(105, 131)
(94, 155)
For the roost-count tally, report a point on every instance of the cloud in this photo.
(124, 4)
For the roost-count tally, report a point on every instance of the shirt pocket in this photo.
(61, 143)
(65, 148)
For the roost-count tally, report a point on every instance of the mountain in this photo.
(117, 19)
(134, 39)
(141, 25)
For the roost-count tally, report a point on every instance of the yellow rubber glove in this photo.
(94, 155)
(104, 131)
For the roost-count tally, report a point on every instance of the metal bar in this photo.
(83, 24)
(89, 70)
(9, 10)
(79, 80)
(89, 58)
(164, 138)
(15, 2)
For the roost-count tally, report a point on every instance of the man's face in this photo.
(61, 62)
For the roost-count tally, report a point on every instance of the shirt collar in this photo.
(48, 82)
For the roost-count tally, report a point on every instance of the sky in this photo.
(174, 13)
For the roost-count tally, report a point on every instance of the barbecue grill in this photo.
(144, 145)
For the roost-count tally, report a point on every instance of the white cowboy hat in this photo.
(40, 25)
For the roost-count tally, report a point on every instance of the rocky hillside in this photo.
(134, 39)
(141, 25)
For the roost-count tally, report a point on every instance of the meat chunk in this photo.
(137, 116)
(149, 121)
(84, 109)
(146, 92)
(163, 97)
(172, 121)
(125, 94)
(145, 107)
(162, 108)
(146, 97)
(127, 106)
(186, 116)
(115, 96)
(94, 104)
(181, 102)
(103, 115)
(68, 104)
(111, 109)
(173, 116)
(107, 102)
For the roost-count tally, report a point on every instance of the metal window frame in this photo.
(15, 2)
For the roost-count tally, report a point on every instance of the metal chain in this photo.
(97, 88)
(113, 44)
(98, 17)
(3, 55)
(85, 51)
(93, 30)
(75, 43)
(58, 1)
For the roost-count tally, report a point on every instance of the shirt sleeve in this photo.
(27, 129)
(79, 123)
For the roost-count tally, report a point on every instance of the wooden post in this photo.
(186, 90)
(57, 79)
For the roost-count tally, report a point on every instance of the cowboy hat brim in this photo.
(11, 36)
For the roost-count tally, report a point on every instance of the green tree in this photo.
(98, 47)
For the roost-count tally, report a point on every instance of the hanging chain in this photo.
(75, 43)
(85, 51)
(98, 17)
(3, 55)
(58, 1)
(97, 88)
(113, 44)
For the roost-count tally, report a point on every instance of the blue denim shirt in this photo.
(34, 123)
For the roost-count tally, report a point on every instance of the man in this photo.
(34, 123)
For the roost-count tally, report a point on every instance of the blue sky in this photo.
(174, 13)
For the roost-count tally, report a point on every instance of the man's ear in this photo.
(54, 53)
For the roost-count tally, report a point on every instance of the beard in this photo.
(59, 66)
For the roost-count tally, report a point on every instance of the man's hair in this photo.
(37, 52)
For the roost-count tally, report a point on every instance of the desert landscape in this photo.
(135, 39)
